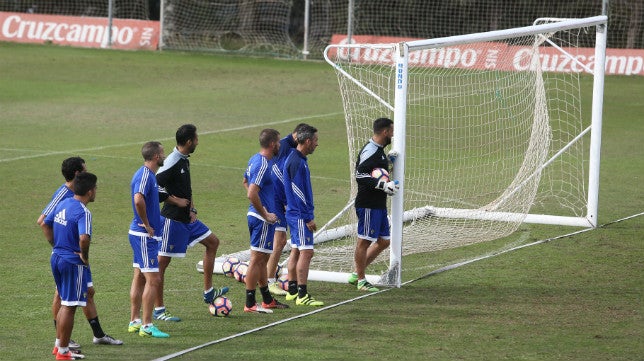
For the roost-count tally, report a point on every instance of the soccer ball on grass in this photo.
(229, 265)
(220, 307)
(240, 271)
(282, 281)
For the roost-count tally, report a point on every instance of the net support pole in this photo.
(350, 21)
(161, 24)
(400, 125)
(596, 123)
(305, 46)
(107, 40)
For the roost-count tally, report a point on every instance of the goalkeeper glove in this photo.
(392, 155)
(389, 187)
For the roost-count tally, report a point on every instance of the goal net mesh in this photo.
(248, 26)
(478, 140)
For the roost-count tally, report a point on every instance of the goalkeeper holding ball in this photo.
(371, 202)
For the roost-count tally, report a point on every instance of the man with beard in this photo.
(181, 228)
(371, 202)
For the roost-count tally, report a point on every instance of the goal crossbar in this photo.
(506, 33)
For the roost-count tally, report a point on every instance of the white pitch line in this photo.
(163, 139)
(456, 265)
(440, 270)
(317, 310)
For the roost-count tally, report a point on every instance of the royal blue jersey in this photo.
(259, 172)
(287, 144)
(62, 193)
(297, 186)
(145, 182)
(69, 220)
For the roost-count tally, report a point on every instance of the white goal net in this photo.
(249, 26)
(488, 139)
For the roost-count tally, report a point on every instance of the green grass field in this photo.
(575, 298)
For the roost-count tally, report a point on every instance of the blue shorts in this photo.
(373, 224)
(87, 276)
(145, 250)
(178, 236)
(261, 235)
(70, 281)
(301, 236)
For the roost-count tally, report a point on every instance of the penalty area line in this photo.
(435, 272)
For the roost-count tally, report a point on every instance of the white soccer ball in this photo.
(380, 173)
(220, 307)
(229, 265)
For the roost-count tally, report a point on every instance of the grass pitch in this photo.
(577, 298)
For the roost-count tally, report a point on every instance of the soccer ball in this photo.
(278, 271)
(380, 173)
(220, 307)
(229, 265)
(240, 271)
(282, 281)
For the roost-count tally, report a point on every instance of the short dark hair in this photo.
(267, 136)
(305, 132)
(70, 166)
(381, 124)
(83, 183)
(150, 149)
(185, 133)
(299, 126)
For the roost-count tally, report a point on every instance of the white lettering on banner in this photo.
(146, 37)
(623, 65)
(491, 58)
(14, 27)
(495, 56)
(626, 65)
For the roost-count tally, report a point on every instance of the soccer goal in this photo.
(492, 130)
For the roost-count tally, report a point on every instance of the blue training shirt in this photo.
(62, 193)
(259, 172)
(145, 182)
(287, 144)
(297, 186)
(69, 220)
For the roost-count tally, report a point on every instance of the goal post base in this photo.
(314, 275)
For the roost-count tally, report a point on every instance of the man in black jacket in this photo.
(371, 202)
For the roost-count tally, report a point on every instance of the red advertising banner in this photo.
(497, 56)
(78, 31)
